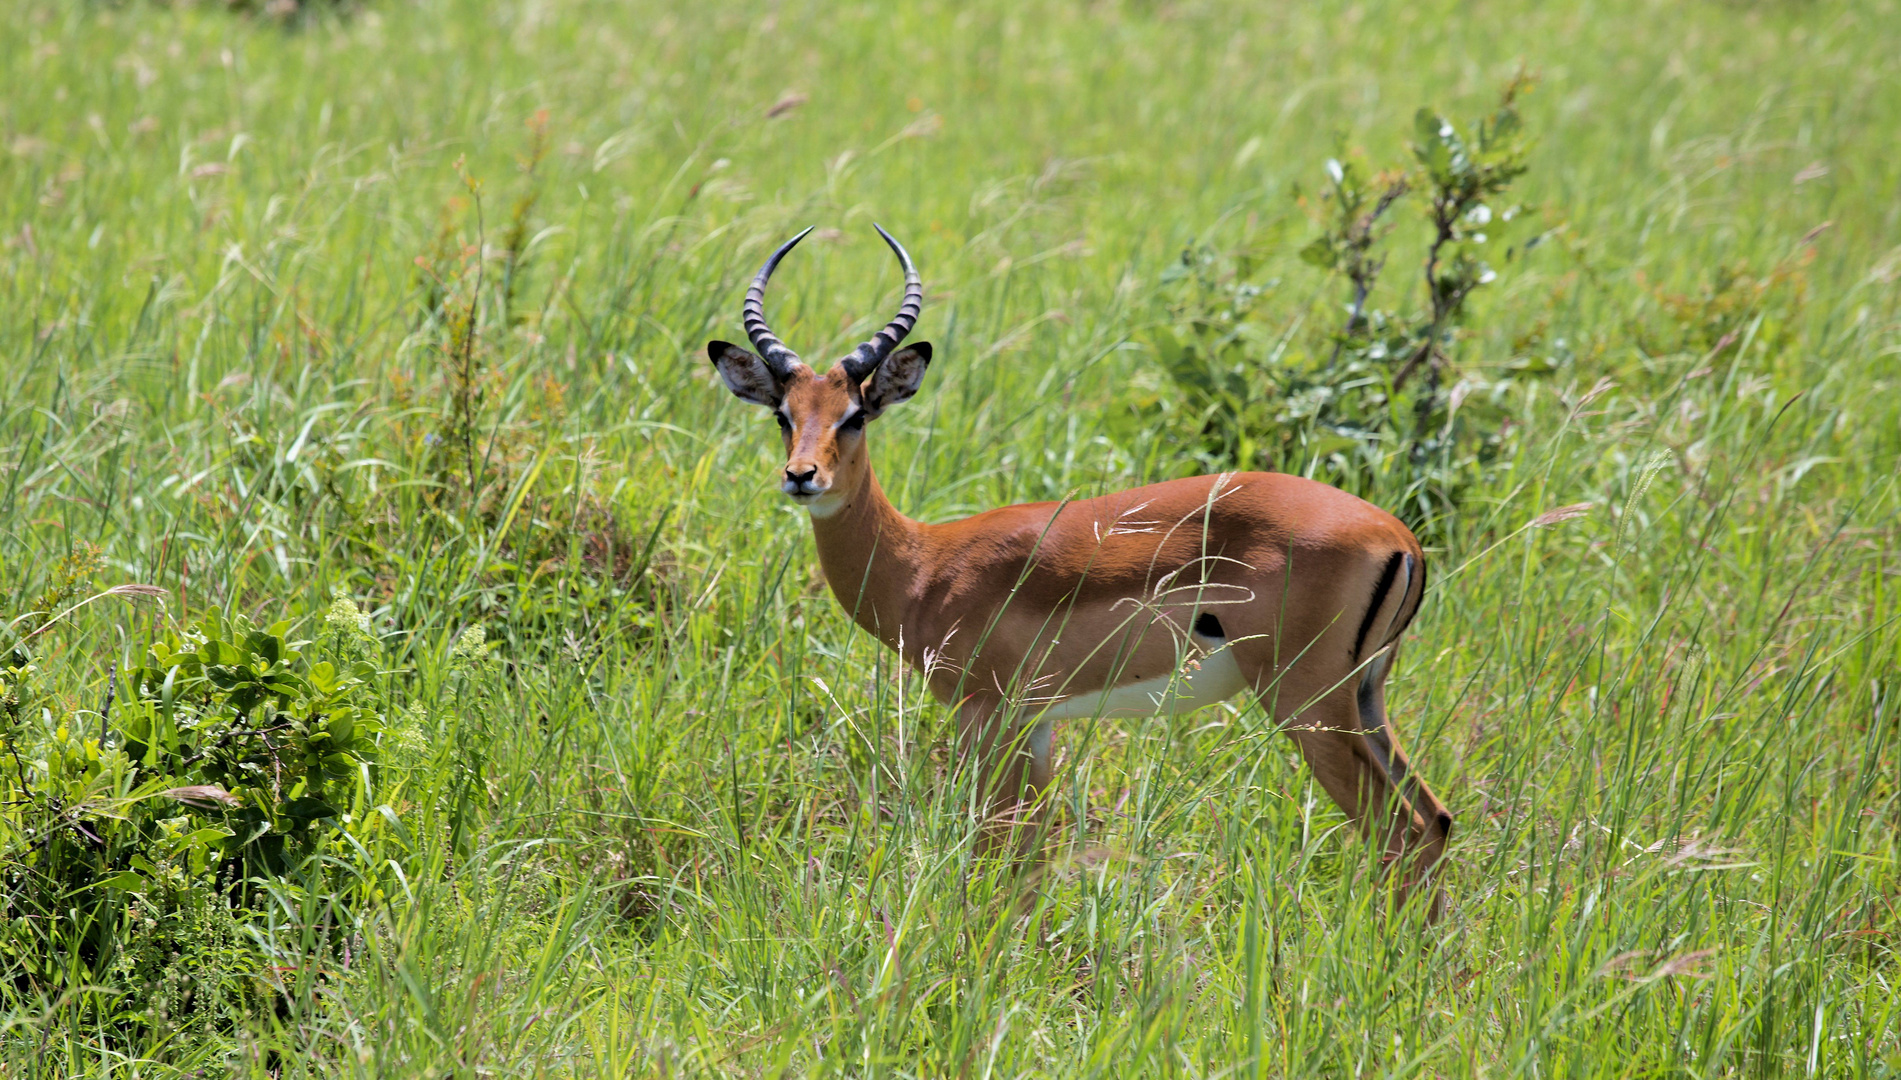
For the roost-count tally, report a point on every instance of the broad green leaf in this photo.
(323, 676)
(341, 726)
(127, 880)
(1435, 146)
(1505, 124)
(307, 808)
(1320, 253)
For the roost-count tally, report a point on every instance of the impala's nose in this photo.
(802, 481)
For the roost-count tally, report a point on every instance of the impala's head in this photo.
(822, 417)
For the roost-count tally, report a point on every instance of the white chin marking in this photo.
(1218, 679)
(821, 508)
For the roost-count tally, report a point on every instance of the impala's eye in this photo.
(785, 424)
(854, 422)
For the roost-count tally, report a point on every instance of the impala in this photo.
(1160, 599)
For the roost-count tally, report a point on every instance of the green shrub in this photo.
(135, 839)
(1375, 403)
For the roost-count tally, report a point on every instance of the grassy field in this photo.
(407, 307)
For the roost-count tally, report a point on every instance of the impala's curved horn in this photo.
(773, 351)
(865, 358)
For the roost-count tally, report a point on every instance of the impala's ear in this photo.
(897, 378)
(745, 375)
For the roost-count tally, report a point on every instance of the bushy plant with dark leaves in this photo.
(1377, 402)
(135, 840)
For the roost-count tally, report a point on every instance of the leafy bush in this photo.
(134, 839)
(1375, 401)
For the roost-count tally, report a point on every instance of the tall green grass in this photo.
(701, 825)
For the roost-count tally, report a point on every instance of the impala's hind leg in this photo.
(1428, 822)
(1345, 739)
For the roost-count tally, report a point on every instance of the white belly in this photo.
(1217, 679)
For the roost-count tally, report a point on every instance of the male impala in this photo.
(1161, 599)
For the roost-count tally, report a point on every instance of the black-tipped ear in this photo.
(745, 375)
(897, 378)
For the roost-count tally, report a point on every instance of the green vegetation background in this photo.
(684, 819)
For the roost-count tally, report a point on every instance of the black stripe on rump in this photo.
(1379, 600)
(1413, 612)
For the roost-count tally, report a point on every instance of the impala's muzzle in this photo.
(803, 482)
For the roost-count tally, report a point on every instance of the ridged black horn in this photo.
(773, 351)
(865, 359)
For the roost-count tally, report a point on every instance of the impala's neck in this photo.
(871, 555)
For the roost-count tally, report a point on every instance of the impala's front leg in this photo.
(1010, 761)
